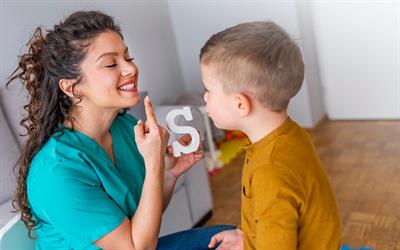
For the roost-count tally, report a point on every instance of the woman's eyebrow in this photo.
(111, 54)
(107, 54)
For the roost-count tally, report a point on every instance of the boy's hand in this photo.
(230, 239)
(178, 166)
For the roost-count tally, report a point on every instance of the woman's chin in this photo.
(132, 102)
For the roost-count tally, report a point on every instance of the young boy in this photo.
(250, 73)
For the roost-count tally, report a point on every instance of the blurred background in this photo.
(350, 100)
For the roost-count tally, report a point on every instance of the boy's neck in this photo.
(260, 125)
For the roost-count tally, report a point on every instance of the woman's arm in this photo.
(141, 232)
(168, 190)
(146, 221)
(175, 167)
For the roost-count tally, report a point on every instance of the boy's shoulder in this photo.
(284, 138)
(291, 138)
(289, 147)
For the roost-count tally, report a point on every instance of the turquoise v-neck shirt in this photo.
(76, 193)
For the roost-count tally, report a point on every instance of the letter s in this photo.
(177, 147)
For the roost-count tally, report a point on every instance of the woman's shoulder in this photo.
(53, 176)
(58, 165)
(61, 149)
(64, 144)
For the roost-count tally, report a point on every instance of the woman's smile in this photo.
(129, 86)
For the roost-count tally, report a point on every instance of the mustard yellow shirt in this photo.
(287, 201)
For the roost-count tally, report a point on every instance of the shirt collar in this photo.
(271, 136)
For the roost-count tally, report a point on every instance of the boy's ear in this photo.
(243, 104)
(66, 86)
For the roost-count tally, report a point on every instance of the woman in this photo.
(91, 176)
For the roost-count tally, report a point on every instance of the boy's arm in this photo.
(276, 198)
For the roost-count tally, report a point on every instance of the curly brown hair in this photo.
(50, 58)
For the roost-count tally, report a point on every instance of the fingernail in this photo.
(140, 121)
(147, 99)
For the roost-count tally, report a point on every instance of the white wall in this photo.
(359, 55)
(195, 21)
(312, 74)
(146, 27)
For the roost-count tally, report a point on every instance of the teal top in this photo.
(76, 193)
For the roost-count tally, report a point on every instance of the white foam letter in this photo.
(177, 147)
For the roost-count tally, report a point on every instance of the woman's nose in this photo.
(129, 68)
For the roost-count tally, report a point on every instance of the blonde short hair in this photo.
(257, 57)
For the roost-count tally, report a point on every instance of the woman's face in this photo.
(109, 75)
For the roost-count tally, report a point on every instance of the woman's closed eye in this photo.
(115, 64)
(111, 65)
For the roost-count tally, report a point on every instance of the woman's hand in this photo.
(177, 166)
(151, 139)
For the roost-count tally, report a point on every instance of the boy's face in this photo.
(219, 105)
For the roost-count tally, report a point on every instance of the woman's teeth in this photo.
(127, 87)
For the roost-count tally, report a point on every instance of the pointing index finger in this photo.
(151, 118)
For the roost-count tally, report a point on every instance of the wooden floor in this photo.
(362, 161)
